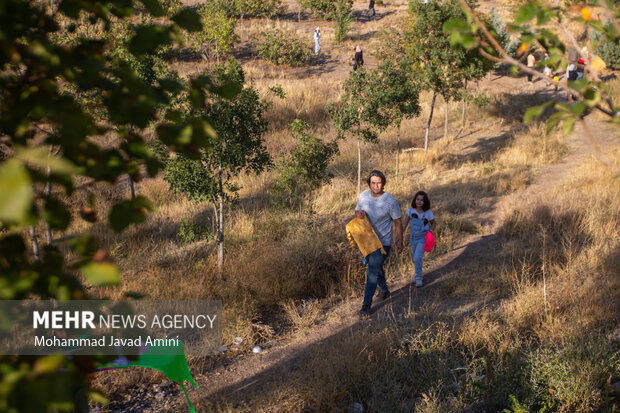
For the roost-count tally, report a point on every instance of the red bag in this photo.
(429, 245)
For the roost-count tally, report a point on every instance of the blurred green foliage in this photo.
(68, 77)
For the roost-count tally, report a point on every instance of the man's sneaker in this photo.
(383, 295)
(365, 311)
(418, 283)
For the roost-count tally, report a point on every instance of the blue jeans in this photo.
(375, 275)
(417, 252)
(317, 47)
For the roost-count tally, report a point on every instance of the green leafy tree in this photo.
(281, 48)
(607, 49)
(303, 4)
(303, 168)
(259, 8)
(391, 44)
(240, 125)
(530, 25)
(41, 108)
(402, 99)
(508, 42)
(248, 8)
(438, 66)
(327, 9)
(342, 16)
(372, 101)
(217, 38)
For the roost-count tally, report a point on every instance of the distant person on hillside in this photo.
(371, 9)
(421, 220)
(531, 63)
(358, 59)
(581, 67)
(317, 36)
(547, 70)
(571, 72)
(383, 211)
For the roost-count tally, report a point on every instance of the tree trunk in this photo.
(463, 113)
(35, 244)
(220, 230)
(428, 124)
(132, 190)
(48, 192)
(464, 106)
(397, 148)
(359, 162)
(445, 125)
(215, 225)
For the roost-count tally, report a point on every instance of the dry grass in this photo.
(549, 331)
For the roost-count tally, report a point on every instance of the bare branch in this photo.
(489, 56)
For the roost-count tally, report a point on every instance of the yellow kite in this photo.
(598, 64)
(360, 232)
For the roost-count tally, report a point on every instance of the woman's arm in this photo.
(405, 222)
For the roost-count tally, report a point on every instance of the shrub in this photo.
(609, 52)
(191, 232)
(481, 100)
(326, 9)
(343, 18)
(260, 8)
(572, 377)
(217, 37)
(304, 168)
(508, 43)
(280, 48)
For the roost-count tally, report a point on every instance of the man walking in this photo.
(371, 9)
(383, 211)
(531, 62)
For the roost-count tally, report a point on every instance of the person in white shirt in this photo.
(317, 36)
(383, 211)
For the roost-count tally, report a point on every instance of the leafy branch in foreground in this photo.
(590, 93)
(42, 114)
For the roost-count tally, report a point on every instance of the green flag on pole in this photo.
(170, 360)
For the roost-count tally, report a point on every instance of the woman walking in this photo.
(358, 58)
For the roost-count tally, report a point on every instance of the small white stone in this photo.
(237, 340)
(257, 349)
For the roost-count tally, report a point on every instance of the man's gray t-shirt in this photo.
(380, 211)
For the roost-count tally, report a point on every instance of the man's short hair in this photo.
(376, 173)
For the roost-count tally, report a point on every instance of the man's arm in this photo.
(399, 234)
